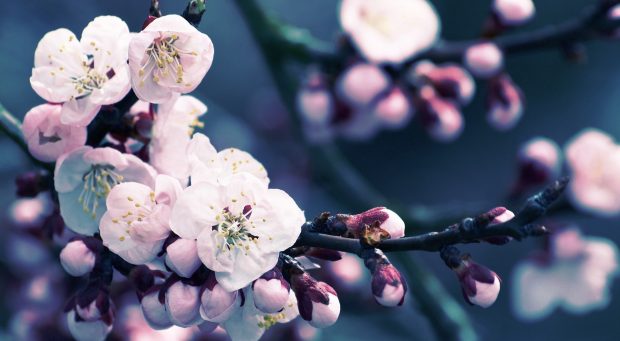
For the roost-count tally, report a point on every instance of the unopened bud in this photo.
(154, 311)
(480, 285)
(388, 285)
(514, 12)
(442, 119)
(77, 259)
(270, 291)
(217, 304)
(484, 60)
(182, 257)
(450, 81)
(317, 301)
(499, 215)
(539, 161)
(505, 103)
(314, 100)
(361, 84)
(183, 303)
(92, 319)
(394, 109)
(388, 221)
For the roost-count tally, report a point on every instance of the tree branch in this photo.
(470, 230)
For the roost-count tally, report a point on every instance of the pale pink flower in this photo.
(361, 84)
(514, 12)
(182, 303)
(241, 227)
(47, 136)
(576, 276)
(394, 109)
(169, 56)
(593, 158)
(136, 222)
(484, 59)
(217, 304)
(182, 257)
(77, 259)
(271, 291)
(84, 74)
(390, 31)
(172, 131)
(85, 176)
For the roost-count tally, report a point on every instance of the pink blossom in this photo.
(47, 136)
(169, 56)
(593, 158)
(394, 109)
(514, 12)
(484, 59)
(505, 103)
(390, 31)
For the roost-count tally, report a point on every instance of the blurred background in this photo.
(473, 173)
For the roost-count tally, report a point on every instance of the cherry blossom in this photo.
(593, 158)
(514, 12)
(84, 177)
(47, 136)
(575, 275)
(394, 109)
(76, 258)
(136, 222)
(241, 227)
(182, 257)
(172, 130)
(182, 302)
(84, 74)
(317, 301)
(505, 103)
(390, 31)
(168, 57)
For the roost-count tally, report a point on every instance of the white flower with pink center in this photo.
(172, 131)
(169, 56)
(84, 177)
(241, 227)
(574, 275)
(83, 74)
(593, 158)
(136, 222)
(47, 136)
(390, 31)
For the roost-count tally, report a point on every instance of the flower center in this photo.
(234, 229)
(165, 59)
(98, 182)
(84, 85)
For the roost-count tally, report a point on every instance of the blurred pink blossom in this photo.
(514, 12)
(484, 59)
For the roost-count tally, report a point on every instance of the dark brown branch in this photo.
(467, 231)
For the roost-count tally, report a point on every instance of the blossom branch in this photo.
(469, 230)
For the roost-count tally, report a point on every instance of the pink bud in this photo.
(182, 257)
(77, 259)
(484, 60)
(91, 320)
(452, 82)
(394, 109)
(442, 119)
(217, 304)
(362, 83)
(499, 215)
(388, 221)
(182, 304)
(480, 285)
(513, 12)
(388, 285)
(317, 301)
(539, 161)
(505, 103)
(154, 311)
(47, 137)
(314, 100)
(270, 291)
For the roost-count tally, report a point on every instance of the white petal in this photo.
(196, 209)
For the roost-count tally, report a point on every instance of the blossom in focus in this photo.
(513, 12)
(593, 158)
(86, 74)
(47, 136)
(390, 31)
(217, 304)
(387, 220)
(575, 274)
(182, 302)
(168, 57)
(480, 286)
(182, 257)
(84, 177)
(249, 323)
(241, 227)
(484, 59)
(499, 215)
(136, 222)
(270, 291)
(388, 285)
(172, 131)
(505, 103)
(208, 165)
